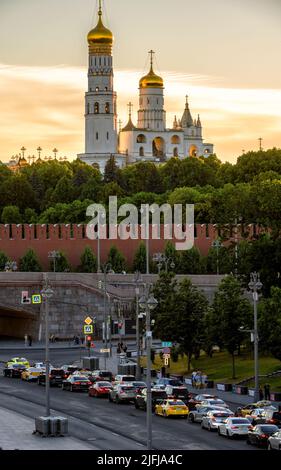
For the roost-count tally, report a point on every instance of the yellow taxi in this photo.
(30, 374)
(18, 360)
(171, 407)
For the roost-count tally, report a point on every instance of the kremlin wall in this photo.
(71, 239)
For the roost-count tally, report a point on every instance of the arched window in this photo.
(107, 108)
(106, 88)
(141, 139)
(193, 151)
(96, 108)
(97, 136)
(141, 152)
(176, 152)
(107, 135)
(97, 88)
(175, 140)
(88, 108)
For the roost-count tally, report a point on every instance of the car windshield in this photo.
(240, 421)
(177, 402)
(276, 415)
(270, 429)
(105, 374)
(80, 379)
(139, 384)
(158, 394)
(174, 382)
(104, 384)
(57, 372)
(216, 402)
(127, 379)
(221, 415)
(125, 389)
(180, 391)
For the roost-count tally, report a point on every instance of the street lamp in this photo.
(160, 259)
(255, 285)
(107, 269)
(217, 244)
(11, 266)
(138, 281)
(47, 293)
(148, 303)
(53, 255)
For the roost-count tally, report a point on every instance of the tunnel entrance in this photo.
(16, 323)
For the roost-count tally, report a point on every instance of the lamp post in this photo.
(137, 280)
(148, 303)
(53, 255)
(11, 266)
(217, 244)
(47, 293)
(255, 285)
(107, 269)
(160, 259)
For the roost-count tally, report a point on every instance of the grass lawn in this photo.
(219, 367)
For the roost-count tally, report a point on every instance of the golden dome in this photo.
(100, 35)
(151, 80)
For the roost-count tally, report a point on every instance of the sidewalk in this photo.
(16, 434)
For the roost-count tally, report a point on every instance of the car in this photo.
(196, 415)
(124, 378)
(164, 381)
(13, 371)
(247, 409)
(157, 396)
(179, 392)
(75, 383)
(270, 416)
(121, 393)
(56, 377)
(101, 375)
(274, 441)
(197, 400)
(31, 374)
(18, 360)
(214, 402)
(213, 418)
(260, 433)
(70, 369)
(100, 389)
(170, 407)
(254, 416)
(139, 386)
(234, 426)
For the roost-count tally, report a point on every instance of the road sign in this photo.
(166, 361)
(88, 321)
(105, 350)
(167, 344)
(93, 345)
(166, 356)
(166, 351)
(88, 329)
(24, 297)
(36, 299)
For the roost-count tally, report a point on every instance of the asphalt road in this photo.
(106, 425)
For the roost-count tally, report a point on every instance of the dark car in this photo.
(259, 434)
(69, 370)
(164, 381)
(271, 416)
(76, 383)
(139, 386)
(157, 395)
(179, 392)
(14, 371)
(101, 375)
(56, 378)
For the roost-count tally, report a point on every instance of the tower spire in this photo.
(100, 9)
(151, 58)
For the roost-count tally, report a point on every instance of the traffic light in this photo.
(88, 341)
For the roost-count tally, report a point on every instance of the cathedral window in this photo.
(97, 88)
(175, 139)
(88, 108)
(176, 152)
(141, 152)
(141, 139)
(97, 136)
(107, 108)
(106, 89)
(97, 108)
(107, 135)
(147, 100)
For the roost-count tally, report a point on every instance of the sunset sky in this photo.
(225, 54)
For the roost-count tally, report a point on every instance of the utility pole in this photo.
(260, 141)
(47, 293)
(255, 285)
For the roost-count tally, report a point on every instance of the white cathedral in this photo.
(149, 140)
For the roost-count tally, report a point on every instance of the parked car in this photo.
(22, 361)
(75, 383)
(259, 434)
(274, 441)
(179, 392)
(31, 374)
(123, 392)
(56, 377)
(196, 415)
(157, 396)
(100, 389)
(101, 375)
(214, 402)
(13, 371)
(214, 418)
(271, 416)
(168, 408)
(120, 378)
(234, 427)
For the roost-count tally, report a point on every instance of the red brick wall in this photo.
(15, 240)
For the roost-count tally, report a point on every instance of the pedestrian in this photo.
(125, 349)
(25, 340)
(261, 395)
(118, 348)
(122, 346)
(30, 340)
(82, 339)
(204, 380)
(193, 375)
(266, 391)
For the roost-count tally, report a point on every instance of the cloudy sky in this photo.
(225, 54)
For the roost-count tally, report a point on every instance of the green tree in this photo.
(139, 263)
(269, 323)
(191, 262)
(111, 171)
(61, 264)
(230, 310)
(64, 191)
(3, 260)
(29, 262)
(88, 261)
(30, 216)
(116, 260)
(11, 215)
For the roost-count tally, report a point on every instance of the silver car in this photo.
(214, 402)
(122, 393)
(234, 427)
(274, 441)
(213, 419)
(196, 415)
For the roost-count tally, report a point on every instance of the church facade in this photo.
(148, 140)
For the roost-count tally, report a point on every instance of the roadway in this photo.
(105, 425)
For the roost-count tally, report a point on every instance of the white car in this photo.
(214, 418)
(124, 378)
(234, 427)
(196, 415)
(214, 402)
(274, 441)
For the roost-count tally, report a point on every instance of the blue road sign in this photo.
(167, 344)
